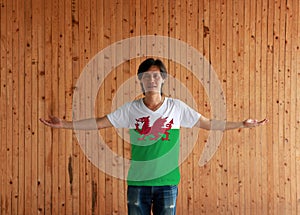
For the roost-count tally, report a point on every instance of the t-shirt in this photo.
(154, 139)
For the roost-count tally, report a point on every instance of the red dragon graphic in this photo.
(156, 130)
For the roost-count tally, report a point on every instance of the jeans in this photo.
(162, 200)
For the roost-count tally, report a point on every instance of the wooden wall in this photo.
(253, 46)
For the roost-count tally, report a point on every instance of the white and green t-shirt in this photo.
(154, 139)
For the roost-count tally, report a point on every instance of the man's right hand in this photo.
(54, 122)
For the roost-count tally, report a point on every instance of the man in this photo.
(154, 123)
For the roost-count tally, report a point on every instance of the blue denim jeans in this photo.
(162, 200)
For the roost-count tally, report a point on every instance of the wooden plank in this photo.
(21, 103)
(95, 29)
(205, 48)
(16, 108)
(212, 57)
(296, 65)
(108, 87)
(4, 198)
(278, 169)
(86, 153)
(282, 102)
(287, 108)
(55, 106)
(48, 106)
(200, 197)
(270, 143)
(234, 113)
(185, 192)
(101, 43)
(34, 107)
(216, 64)
(223, 164)
(9, 108)
(68, 107)
(192, 25)
(264, 105)
(82, 142)
(130, 70)
(118, 20)
(240, 84)
(128, 30)
(232, 168)
(40, 20)
(27, 111)
(177, 70)
(246, 109)
(258, 108)
(293, 7)
(74, 161)
(61, 108)
(252, 103)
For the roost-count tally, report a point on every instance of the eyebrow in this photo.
(152, 71)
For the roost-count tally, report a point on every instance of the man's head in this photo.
(152, 74)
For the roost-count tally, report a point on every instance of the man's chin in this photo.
(152, 91)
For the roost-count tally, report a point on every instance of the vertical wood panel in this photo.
(3, 92)
(48, 106)
(297, 63)
(39, 11)
(270, 142)
(257, 108)
(55, 106)
(287, 108)
(27, 165)
(296, 99)
(21, 157)
(206, 204)
(223, 166)
(61, 107)
(16, 108)
(240, 35)
(34, 106)
(253, 47)
(68, 162)
(264, 105)
(246, 109)
(9, 110)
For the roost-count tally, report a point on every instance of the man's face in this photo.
(152, 80)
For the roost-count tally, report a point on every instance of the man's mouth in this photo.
(152, 86)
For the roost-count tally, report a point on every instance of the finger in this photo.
(41, 120)
(46, 122)
(261, 121)
(264, 121)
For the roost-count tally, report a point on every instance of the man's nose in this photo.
(152, 78)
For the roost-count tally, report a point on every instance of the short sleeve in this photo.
(188, 116)
(120, 117)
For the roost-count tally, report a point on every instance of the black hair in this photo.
(145, 66)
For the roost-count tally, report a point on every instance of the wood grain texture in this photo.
(253, 47)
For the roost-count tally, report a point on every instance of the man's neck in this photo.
(153, 100)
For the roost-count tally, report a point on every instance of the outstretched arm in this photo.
(209, 124)
(85, 124)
